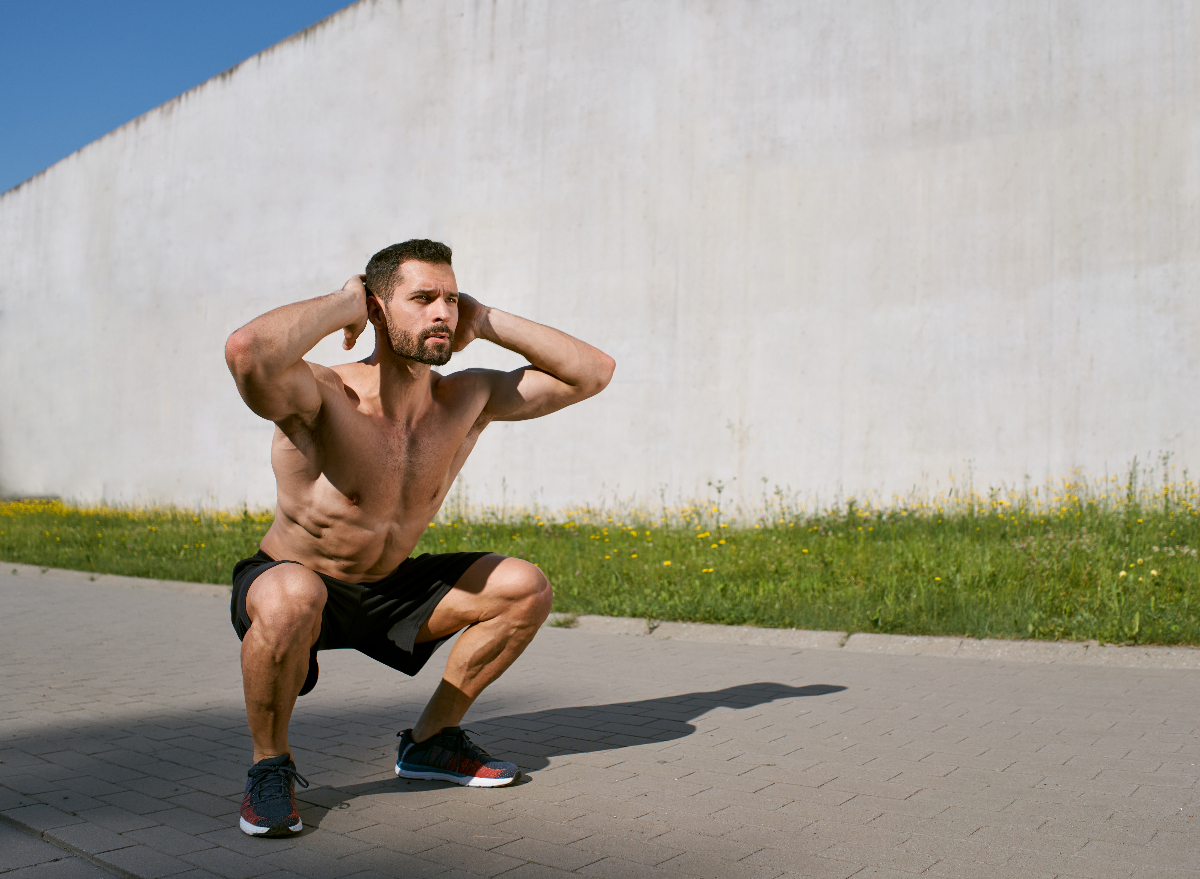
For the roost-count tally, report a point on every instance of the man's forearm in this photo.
(280, 338)
(568, 359)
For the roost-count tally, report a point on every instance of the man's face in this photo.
(421, 317)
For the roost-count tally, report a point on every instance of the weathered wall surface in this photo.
(845, 245)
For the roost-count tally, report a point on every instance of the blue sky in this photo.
(71, 71)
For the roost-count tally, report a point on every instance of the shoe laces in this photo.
(458, 742)
(269, 782)
(453, 739)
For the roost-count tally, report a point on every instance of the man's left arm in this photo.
(563, 370)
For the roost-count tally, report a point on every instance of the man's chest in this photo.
(375, 463)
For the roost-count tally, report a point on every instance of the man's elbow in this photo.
(238, 353)
(244, 355)
(603, 373)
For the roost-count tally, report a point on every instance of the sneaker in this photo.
(451, 756)
(269, 807)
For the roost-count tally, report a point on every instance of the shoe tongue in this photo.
(281, 760)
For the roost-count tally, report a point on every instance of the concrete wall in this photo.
(846, 246)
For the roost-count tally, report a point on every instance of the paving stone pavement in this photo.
(123, 752)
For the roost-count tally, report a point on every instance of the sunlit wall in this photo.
(842, 247)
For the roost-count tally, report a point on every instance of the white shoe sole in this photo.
(255, 830)
(465, 780)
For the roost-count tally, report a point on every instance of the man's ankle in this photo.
(424, 735)
(260, 756)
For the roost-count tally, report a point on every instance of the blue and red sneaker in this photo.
(451, 756)
(269, 807)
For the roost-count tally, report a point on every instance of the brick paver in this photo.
(691, 752)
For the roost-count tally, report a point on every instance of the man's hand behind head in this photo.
(357, 287)
(472, 321)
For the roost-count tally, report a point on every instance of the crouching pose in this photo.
(363, 455)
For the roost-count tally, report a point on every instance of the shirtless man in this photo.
(363, 455)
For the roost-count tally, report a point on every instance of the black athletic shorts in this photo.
(381, 619)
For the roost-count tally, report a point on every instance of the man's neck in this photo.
(401, 386)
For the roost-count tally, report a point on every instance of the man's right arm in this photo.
(266, 356)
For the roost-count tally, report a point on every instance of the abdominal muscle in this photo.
(327, 533)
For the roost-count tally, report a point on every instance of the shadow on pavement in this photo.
(531, 739)
(195, 757)
(586, 729)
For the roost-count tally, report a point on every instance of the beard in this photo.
(418, 348)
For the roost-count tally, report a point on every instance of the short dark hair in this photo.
(383, 271)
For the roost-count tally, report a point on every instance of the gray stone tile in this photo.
(68, 800)
(385, 862)
(144, 861)
(10, 799)
(474, 835)
(694, 864)
(472, 860)
(395, 839)
(21, 849)
(66, 868)
(604, 845)
(223, 862)
(722, 847)
(662, 759)
(802, 864)
(41, 817)
(617, 868)
(1159, 872)
(169, 840)
(251, 846)
(959, 868)
(308, 863)
(132, 801)
(31, 784)
(90, 838)
(187, 821)
(539, 871)
(206, 804)
(116, 819)
(549, 854)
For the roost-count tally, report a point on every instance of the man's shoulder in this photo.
(341, 374)
(331, 386)
(465, 392)
(463, 381)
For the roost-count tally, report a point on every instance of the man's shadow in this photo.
(585, 729)
(531, 739)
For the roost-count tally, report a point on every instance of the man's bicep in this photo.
(293, 393)
(526, 393)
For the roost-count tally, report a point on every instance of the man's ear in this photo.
(375, 312)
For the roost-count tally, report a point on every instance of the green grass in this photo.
(167, 544)
(1078, 566)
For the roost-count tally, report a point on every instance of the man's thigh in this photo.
(490, 587)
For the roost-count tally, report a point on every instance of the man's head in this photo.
(417, 296)
(384, 272)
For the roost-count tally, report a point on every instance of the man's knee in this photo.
(537, 593)
(528, 590)
(286, 602)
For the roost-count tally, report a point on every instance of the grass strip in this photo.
(1078, 569)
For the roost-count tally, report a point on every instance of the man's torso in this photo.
(356, 489)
